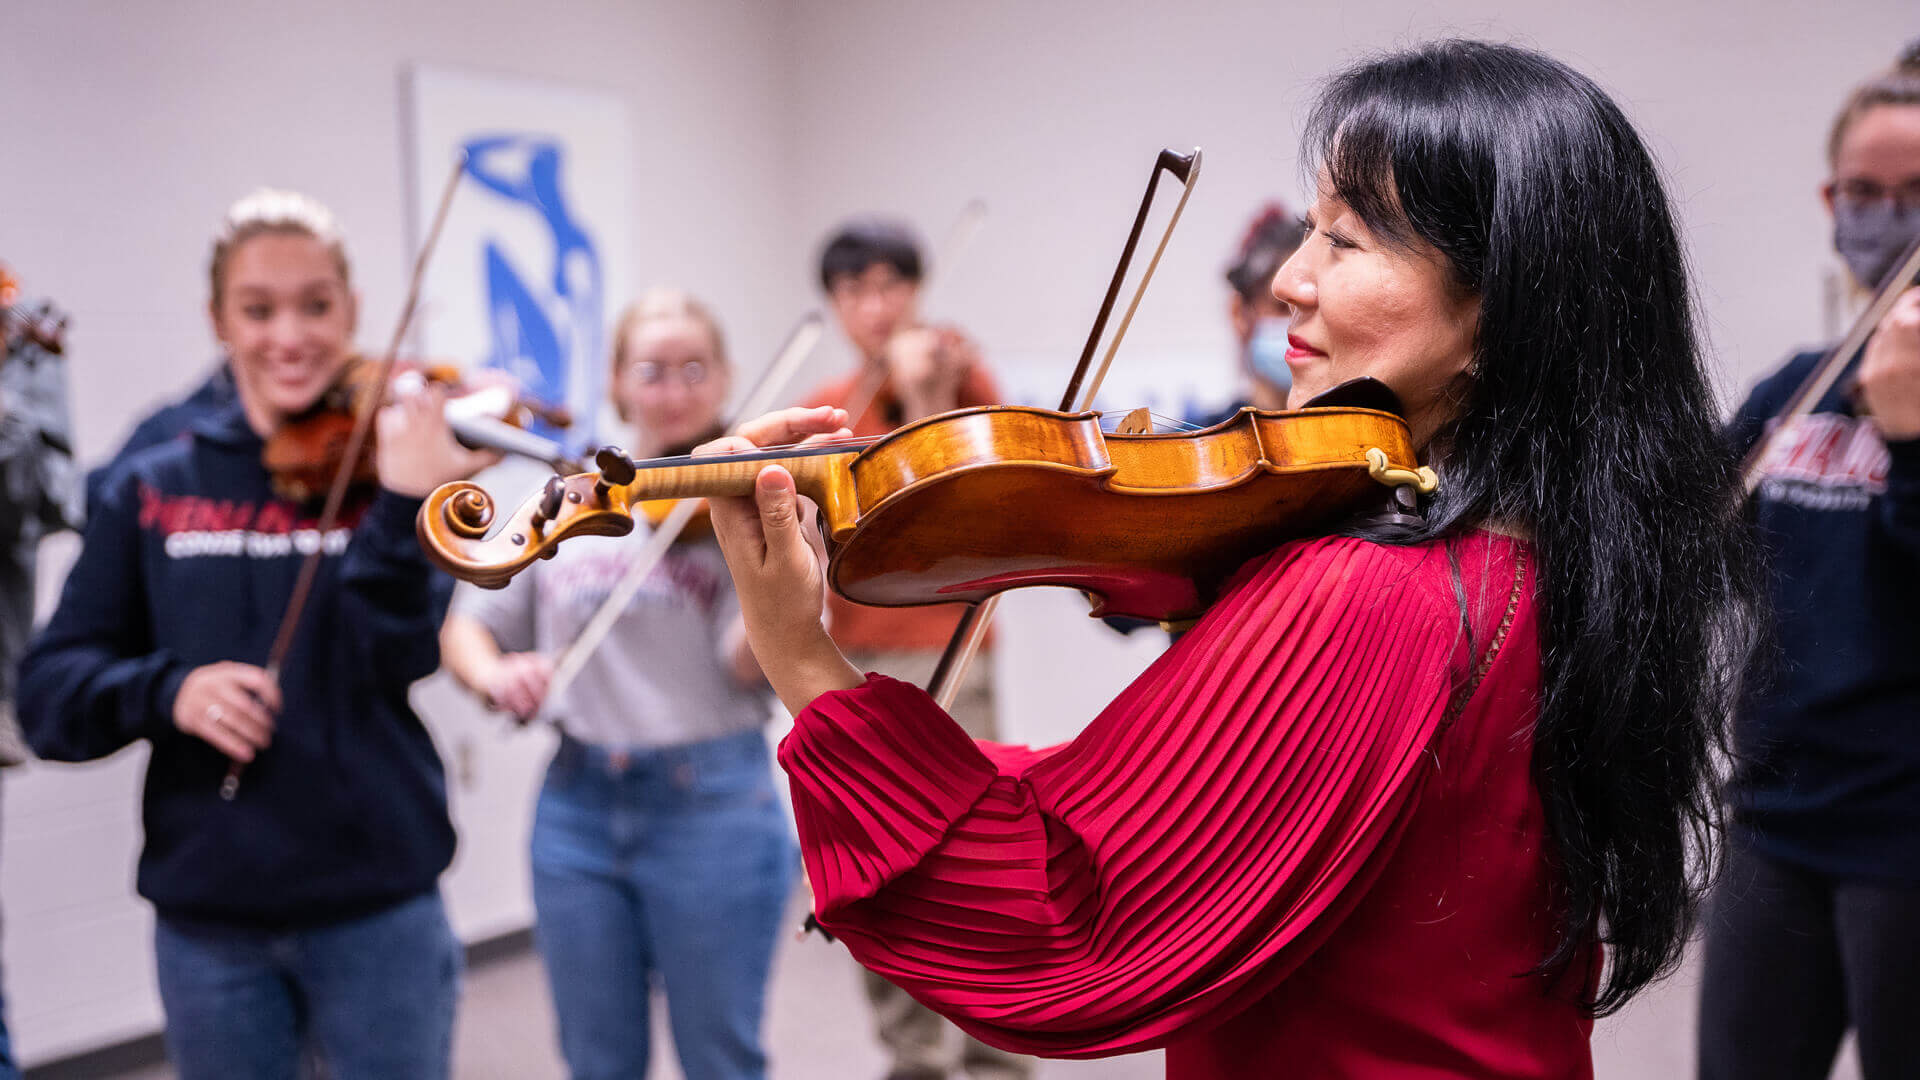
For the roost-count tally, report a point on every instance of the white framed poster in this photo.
(536, 248)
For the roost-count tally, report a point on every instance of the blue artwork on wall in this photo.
(544, 322)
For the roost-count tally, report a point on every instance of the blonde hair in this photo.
(270, 210)
(657, 304)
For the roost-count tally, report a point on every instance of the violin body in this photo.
(1151, 524)
(970, 503)
(304, 454)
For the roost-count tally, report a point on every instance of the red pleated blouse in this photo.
(1304, 843)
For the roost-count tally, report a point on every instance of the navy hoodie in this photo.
(189, 559)
(1829, 740)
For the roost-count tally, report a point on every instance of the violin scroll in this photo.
(454, 523)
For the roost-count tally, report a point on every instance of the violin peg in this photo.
(551, 498)
(616, 469)
(615, 466)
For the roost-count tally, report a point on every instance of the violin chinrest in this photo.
(1365, 392)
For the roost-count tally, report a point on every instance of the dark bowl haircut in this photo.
(1586, 420)
(1272, 237)
(857, 245)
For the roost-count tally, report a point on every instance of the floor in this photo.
(817, 1029)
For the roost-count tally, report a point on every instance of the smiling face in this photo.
(1364, 306)
(672, 381)
(286, 318)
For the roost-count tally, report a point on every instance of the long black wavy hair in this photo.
(1587, 420)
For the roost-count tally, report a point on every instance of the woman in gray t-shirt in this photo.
(658, 844)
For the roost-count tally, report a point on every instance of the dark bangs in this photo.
(1397, 154)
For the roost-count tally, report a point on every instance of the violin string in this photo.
(761, 452)
(851, 442)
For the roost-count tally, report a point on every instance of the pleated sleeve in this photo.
(1176, 860)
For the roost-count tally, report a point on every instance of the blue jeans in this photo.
(373, 995)
(9, 1069)
(673, 862)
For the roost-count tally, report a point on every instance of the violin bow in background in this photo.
(966, 225)
(773, 379)
(965, 643)
(1835, 363)
(343, 476)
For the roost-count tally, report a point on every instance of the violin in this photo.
(970, 503)
(967, 504)
(307, 450)
(42, 324)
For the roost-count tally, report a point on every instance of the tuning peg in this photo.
(551, 497)
(616, 469)
(615, 466)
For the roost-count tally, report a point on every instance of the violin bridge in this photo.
(1137, 422)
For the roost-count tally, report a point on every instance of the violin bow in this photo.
(966, 225)
(343, 475)
(1834, 363)
(800, 344)
(965, 643)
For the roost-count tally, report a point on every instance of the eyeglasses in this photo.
(653, 373)
(1860, 194)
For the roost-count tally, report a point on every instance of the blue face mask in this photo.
(1267, 353)
(1872, 238)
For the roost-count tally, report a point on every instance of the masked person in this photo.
(1259, 320)
(1816, 927)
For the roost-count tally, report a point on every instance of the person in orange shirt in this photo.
(872, 271)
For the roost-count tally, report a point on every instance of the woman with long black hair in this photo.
(1419, 802)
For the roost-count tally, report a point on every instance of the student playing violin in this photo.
(659, 846)
(1817, 925)
(305, 910)
(1411, 800)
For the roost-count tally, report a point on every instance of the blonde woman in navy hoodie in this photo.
(304, 913)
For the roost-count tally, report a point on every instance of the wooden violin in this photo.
(970, 503)
(306, 452)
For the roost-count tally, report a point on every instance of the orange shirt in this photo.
(857, 627)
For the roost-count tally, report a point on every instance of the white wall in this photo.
(131, 126)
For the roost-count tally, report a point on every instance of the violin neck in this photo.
(819, 474)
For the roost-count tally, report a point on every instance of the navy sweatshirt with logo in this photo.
(1829, 776)
(190, 559)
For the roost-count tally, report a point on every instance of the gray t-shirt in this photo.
(660, 678)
